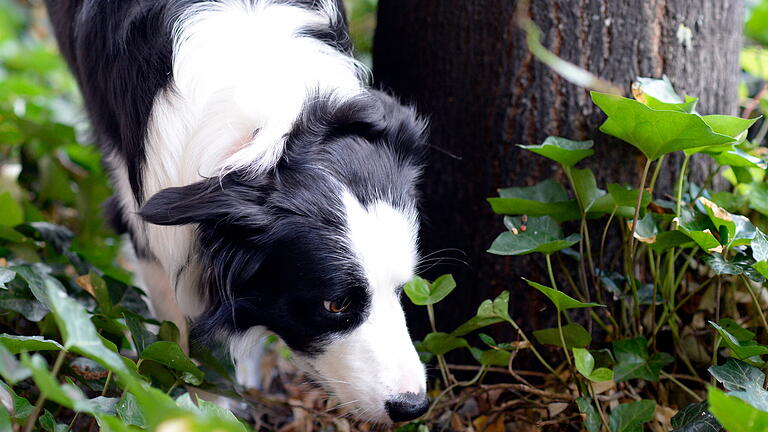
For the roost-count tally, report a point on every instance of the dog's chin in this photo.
(362, 406)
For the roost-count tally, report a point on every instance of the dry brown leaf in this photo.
(520, 345)
(556, 408)
(480, 422)
(456, 422)
(603, 386)
(664, 415)
(85, 283)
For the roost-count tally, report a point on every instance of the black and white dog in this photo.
(263, 185)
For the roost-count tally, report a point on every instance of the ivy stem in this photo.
(685, 388)
(549, 270)
(175, 384)
(562, 339)
(106, 383)
(41, 399)
(582, 206)
(756, 300)
(600, 411)
(601, 259)
(629, 259)
(656, 172)
(679, 191)
(576, 291)
(535, 351)
(639, 201)
(440, 359)
(475, 379)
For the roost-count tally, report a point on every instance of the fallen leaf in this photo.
(604, 386)
(556, 408)
(85, 283)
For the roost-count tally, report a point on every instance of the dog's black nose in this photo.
(406, 406)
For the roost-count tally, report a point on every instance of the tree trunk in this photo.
(465, 64)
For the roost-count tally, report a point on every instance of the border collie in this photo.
(262, 183)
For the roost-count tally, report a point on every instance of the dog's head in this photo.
(318, 250)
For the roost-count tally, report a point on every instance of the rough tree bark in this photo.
(465, 65)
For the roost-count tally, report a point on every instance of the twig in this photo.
(685, 388)
(528, 389)
(41, 399)
(755, 101)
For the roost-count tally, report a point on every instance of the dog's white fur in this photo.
(242, 73)
(378, 355)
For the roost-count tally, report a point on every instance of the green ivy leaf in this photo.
(734, 414)
(561, 150)
(169, 332)
(630, 417)
(647, 230)
(627, 197)
(491, 357)
(754, 60)
(737, 158)
(561, 300)
(67, 395)
(585, 186)
(142, 338)
(731, 126)
(633, 360)
(700, 230)
(655, 133)
(80, 335)
(740, 333)
(211, 410)
(10, 368)
(547, 198)
(592, 421)
(747, 351)
(735, 230)
(12, 213)
(574, 334)
(22, 407)
(169, 354)
(439, 343)
(695, 417)
(423, 293)
(742, 381)
(585, 364)
(17, 344)
(756, 27)
(759, 246)
(762, 268)
(668, 239)
(130, 412)
(659, 94)
(489, 312)
(6, 275)
(758, 197)
(739, 264)
(541, 235)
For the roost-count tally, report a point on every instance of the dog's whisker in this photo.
(445, 250)
(342, 405)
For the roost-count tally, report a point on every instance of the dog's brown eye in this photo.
(336, 307)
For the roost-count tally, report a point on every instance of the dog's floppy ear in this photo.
(400, 126)
(216, 200)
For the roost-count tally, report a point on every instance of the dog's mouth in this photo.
(357, 401)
